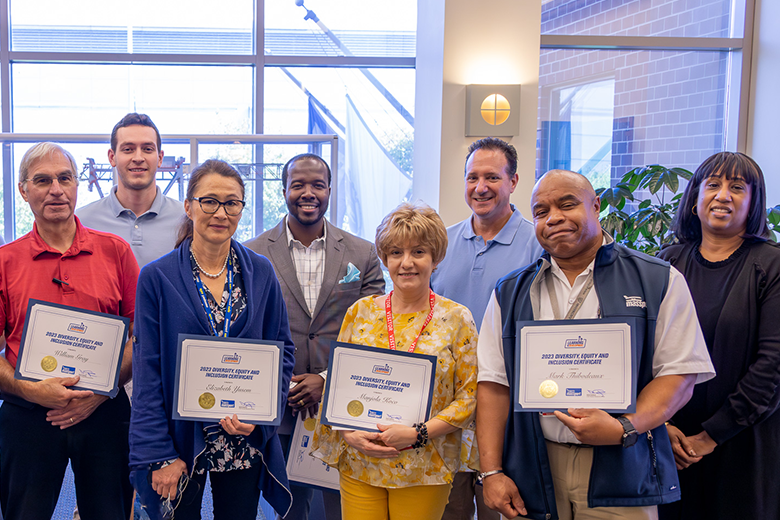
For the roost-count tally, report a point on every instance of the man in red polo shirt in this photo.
(43, 424)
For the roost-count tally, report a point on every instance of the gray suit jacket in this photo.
(312, 333)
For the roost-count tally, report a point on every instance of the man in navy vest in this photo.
(586, 463)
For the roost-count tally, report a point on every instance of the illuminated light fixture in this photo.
(492, 110)
(495, 109)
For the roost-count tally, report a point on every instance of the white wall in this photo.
(764, 111)
(487, 42)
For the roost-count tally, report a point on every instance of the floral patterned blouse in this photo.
(452, 337)
(225, 452)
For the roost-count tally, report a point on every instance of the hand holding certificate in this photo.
(218, 377)
(575, 364)
(367, 386)
(62, 341)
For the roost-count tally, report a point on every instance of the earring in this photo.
(694, 211)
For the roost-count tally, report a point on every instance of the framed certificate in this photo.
(217, 377)
(62, 341)
(369, 385)
(564, 364)
(304, 469)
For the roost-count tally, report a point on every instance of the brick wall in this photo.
(669, 106)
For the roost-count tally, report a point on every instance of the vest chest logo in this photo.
(635, 301)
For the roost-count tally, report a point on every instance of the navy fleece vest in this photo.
(642, 475)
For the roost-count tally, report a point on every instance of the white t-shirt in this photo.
(679, 343)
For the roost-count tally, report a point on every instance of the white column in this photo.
(461, 42)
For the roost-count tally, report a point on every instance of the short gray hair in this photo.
(40, 151)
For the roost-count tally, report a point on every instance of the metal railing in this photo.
(254, 171)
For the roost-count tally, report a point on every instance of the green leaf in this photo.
(616, 197)
(682, 172)
(669, 179)
(773, 215)
(654, 182)
(645, 203)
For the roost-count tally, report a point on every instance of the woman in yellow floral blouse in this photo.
(402, 471)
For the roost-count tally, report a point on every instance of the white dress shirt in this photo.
(309, 265)
(679, 343)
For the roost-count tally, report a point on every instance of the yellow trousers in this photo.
(360, 501)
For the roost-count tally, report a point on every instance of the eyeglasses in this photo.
(66, 180)
(169, 505)
(211, 205)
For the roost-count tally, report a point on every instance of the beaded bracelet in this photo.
(422, 435)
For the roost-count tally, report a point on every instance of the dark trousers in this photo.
(234, 493)
(34, 455)
(465, 492)
(302, 495)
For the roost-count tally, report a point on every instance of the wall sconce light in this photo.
(492, 110)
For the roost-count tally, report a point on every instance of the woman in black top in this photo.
(726, 440)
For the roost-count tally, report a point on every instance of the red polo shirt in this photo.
(100, 270)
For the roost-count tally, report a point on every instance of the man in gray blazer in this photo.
(323, 270)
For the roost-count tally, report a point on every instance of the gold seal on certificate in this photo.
(355, 408)
(206, 400)
(548, 389)
(310, 423)
(63, 341)
(562, 364)
(49, 363)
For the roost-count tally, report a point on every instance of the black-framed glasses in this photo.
(65, 180)
(211, 205)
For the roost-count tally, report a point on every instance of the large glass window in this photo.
(143, 26)
(343, 28)
(611, 111)
(372, 115)
(200, 69)
(608, 104)
(90, 98)
(688, 18)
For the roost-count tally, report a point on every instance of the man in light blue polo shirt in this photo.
(495, 240)
(135, 209)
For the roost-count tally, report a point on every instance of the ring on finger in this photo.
(71, 420)
(302, 403)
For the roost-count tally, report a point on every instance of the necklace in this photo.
(206, 272)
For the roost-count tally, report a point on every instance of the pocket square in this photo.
(353, 274)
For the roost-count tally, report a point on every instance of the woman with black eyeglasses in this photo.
(209, 285)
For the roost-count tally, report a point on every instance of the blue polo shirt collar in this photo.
(507, 233)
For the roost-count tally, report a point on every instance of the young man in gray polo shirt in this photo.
(135, 209)
(495, 240)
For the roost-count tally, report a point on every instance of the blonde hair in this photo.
(416, 223)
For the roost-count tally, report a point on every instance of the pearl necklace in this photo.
(224, 265)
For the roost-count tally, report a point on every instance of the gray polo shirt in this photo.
(150, 235)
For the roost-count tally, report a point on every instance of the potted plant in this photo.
(647, 228)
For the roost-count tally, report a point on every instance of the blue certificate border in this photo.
(182, 337)
(519, 325)
(125, 321)
(334, 344)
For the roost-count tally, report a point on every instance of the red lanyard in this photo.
(391, 327)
